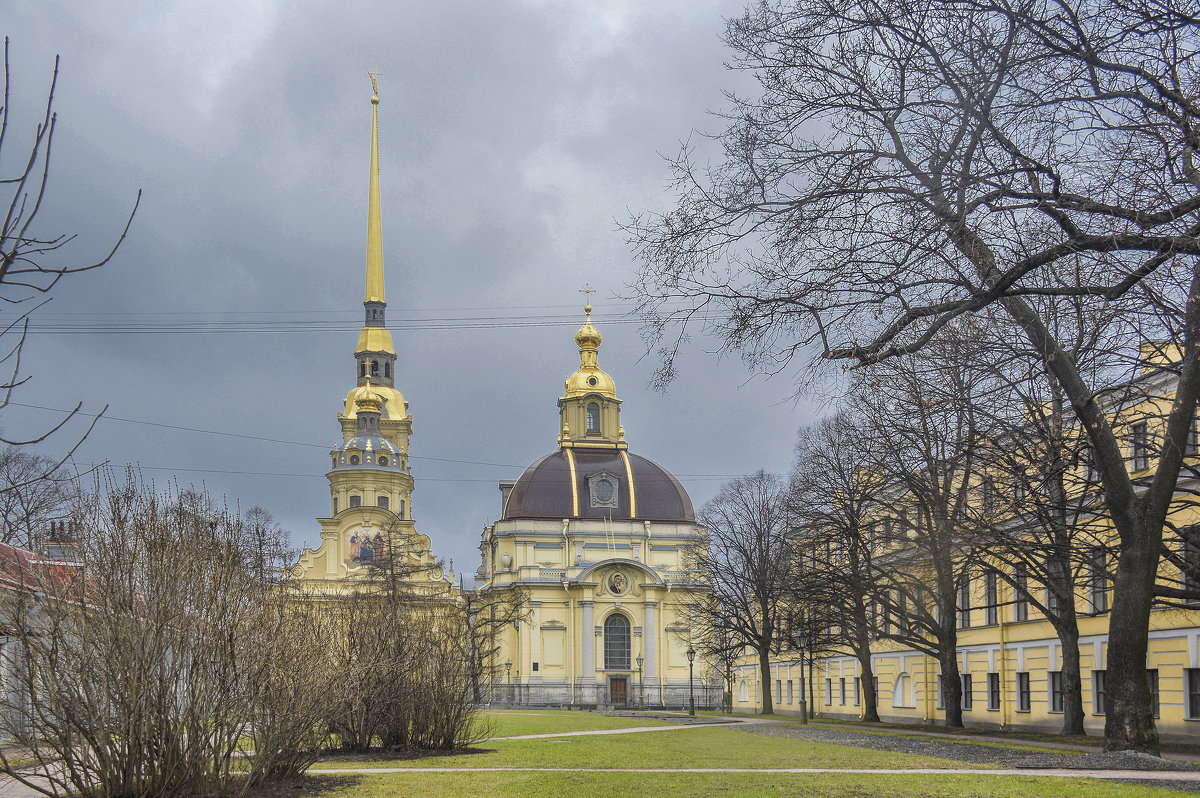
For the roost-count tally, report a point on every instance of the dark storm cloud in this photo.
(513, 135)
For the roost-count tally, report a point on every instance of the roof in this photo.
(547, 490)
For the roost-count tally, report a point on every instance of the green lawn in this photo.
(573, 785)
(719, 746)
(510, 723)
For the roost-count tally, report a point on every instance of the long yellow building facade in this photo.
(1009, 655)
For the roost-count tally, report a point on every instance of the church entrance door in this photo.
(618, 690)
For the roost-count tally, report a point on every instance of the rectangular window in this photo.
(988, 496)
(1189, 570)
(885, 619)
(994, 691)
(857, 691)
(1192, 686)
(1023, 691)
(789, 700)
(968, 700)
(1018, 493)
(382, 501)
(1100, 704)
(400, 512)
(964, 602)
(1139, 446)
(828, 691)
(1055, 684)
(335, 509)
(1152, 678)
(535, 667)
(842, 691)
(779, 691)
(356, 501)
(991, 599)
(1098, 579)
(1192, 447)
(1021, 593)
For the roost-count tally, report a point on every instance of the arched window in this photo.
(382, 501)
(593, 417)
(900, 691)
(353, 459)
(616, 641)
(374, 368)
(741, 691)
(387, 369)
(362, 368)
(401, 513)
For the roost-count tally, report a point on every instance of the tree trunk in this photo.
(1072, 682)
(764, 676)
(862, 650)
(951, 688)
(1129, 721)
(867, 683)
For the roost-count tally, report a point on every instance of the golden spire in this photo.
(374, 224)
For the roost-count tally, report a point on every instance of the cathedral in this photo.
(592, 543)
(370, 527)
(591, 548)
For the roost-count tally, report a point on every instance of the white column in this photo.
(587, 668)
(650, 639)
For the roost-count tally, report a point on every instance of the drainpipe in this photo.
(1003, 675)
(925, 687)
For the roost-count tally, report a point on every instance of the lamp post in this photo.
(691, 655)
(801, 641)
(508, 670)
(641, 684)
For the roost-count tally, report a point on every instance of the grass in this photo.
(696, 747)
(732, 785)
(511, 723)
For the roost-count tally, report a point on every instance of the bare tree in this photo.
(29, 265)
(140, 667)
(836, 493)
(907, 163)
(34, 492)
(746, 553)
(929, 438)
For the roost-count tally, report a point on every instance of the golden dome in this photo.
(588, 336)
(366, 400)
(590, 378)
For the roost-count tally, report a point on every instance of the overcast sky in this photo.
(514, 137)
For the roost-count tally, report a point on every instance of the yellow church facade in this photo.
(591, 546)
(369, 531)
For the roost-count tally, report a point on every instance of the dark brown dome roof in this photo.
(545, 489)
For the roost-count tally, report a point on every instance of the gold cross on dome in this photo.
(587, 290)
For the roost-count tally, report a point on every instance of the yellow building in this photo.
(591, 544)
(1009, 655)
(369, 530)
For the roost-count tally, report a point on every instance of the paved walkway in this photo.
(629, 730)
(1133, 775)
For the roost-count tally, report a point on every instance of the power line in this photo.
(201, 430)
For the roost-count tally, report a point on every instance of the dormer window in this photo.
(593, 417)
(383, 460)
(353, 459)
(602, 490)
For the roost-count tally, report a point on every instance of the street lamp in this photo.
(691, 655)
(801, 641)
(508, 670)
(641, 684)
